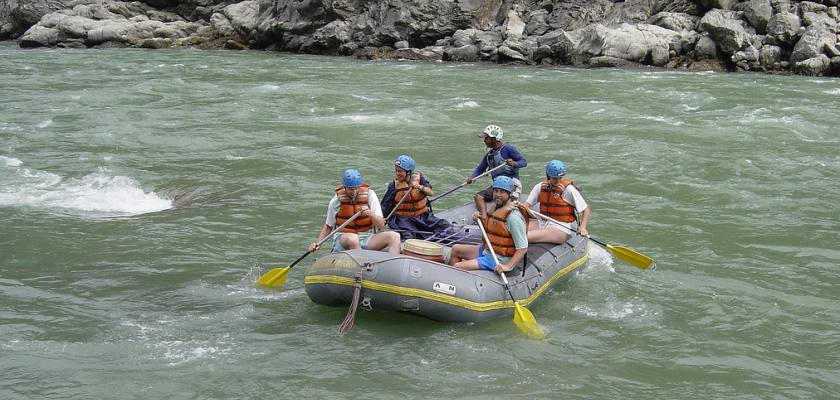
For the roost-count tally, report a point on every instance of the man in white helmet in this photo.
(498, 153)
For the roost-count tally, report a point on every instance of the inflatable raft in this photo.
(419, 282)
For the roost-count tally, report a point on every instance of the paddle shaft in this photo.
(327, 237)
(407, 192)
(546, 217)
(349, 220)
(496, 259)
(462, 184)
(631, 256)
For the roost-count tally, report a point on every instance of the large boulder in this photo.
(706, 48)
(727, 30)
(115, 23)
(634, 43)
(812, 43)
(815, 66)
(674, 21)
(561, 45)
(770, 57)
(758, 13)
(784, 27)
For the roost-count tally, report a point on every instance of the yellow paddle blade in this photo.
(275, 277)
(630, 256)
(527, 324)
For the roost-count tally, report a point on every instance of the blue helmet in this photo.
(406, 163)
(351, 178)
(504, 183)
(555, 169)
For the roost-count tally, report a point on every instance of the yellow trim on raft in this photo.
(445, 298)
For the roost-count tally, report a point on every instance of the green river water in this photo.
(109, 289)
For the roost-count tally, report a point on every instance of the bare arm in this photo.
(325, 230)
(584, 222)
(515, 259)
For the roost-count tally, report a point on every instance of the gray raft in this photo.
(396, 282)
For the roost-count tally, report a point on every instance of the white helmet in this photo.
(493, 131)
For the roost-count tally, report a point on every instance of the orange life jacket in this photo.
(500, 237)
(552, 202)
(414, 205)
(350, 206)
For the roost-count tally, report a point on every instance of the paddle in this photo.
(522, 317)
(631, 256)
(462, 184)
(277, 276)
(407, 192)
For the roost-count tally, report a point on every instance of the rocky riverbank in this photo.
(752, 35)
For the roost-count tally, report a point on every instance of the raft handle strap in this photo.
(347, 324)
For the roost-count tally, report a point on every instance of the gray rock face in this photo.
(121, 24)
(751, 35)
(675, 21)
(721, 4)
(16, 16)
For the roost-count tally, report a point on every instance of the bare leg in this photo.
(462, 252)
(389, 240)
(467, 265)
(349, 241)
(547, 235)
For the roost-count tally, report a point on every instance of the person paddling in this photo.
(499, 153)
(351, 197)
(507, 232)
(559, 199)
(406, 202)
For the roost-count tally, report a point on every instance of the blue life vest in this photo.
(494, 159)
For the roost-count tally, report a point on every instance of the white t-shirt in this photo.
(571, 195)
(335, 205)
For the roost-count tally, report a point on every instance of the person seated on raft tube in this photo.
(559, 199)
(413, 218)
(499, 153)
(507, 230)
(351, 197)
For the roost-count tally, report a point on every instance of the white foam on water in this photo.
(832, 91)
(7, 126)
(600, 258)
(468, 104)
(45, 124)
(232, 157)
(10, 161)
(360, 97)
(98, 193)
(268, 87)
(358, 118)
(659, 118)
(612, 310)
